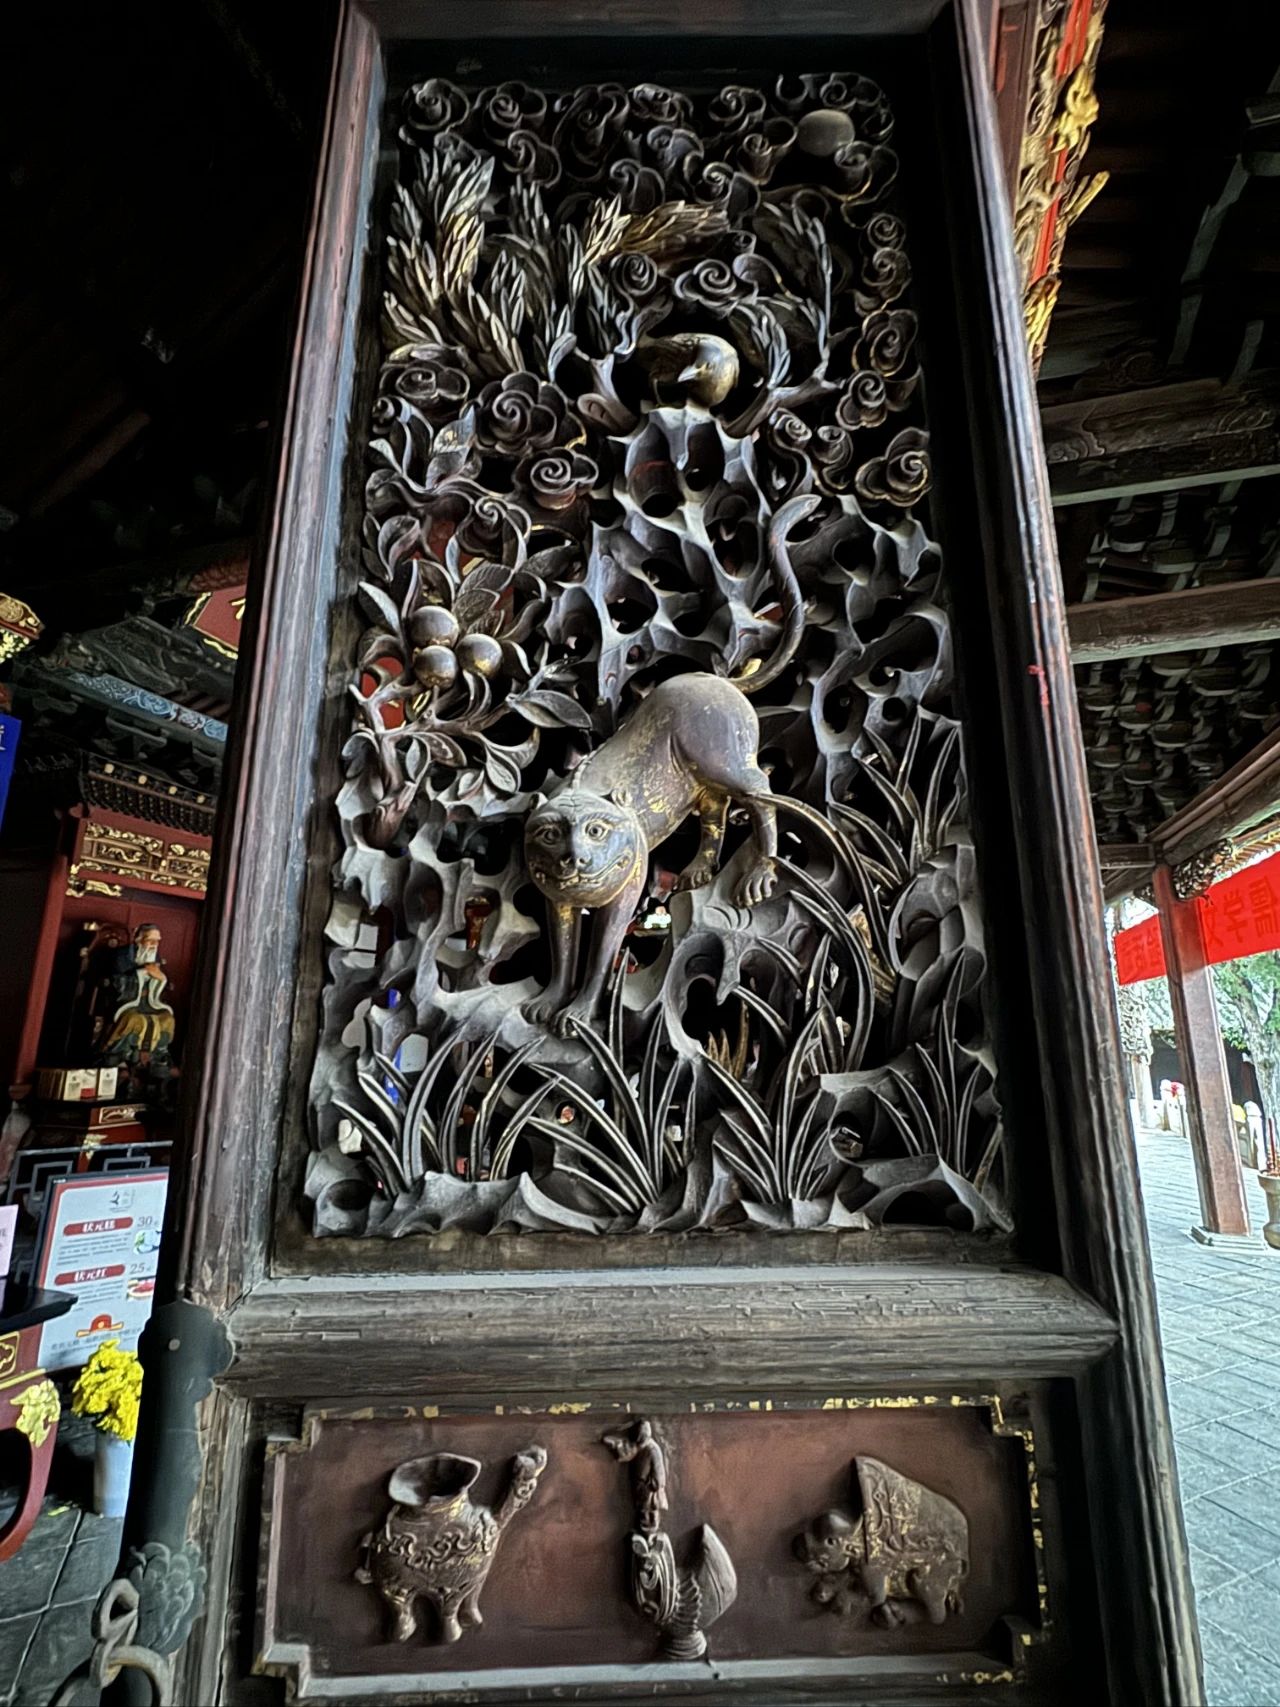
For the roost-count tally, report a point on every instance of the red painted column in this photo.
(1195, 1023)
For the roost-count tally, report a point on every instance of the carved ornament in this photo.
(1053, 190)
(436, 1545)
(683, 1601)
(653, 743)
(19, 626)
(132, 856)
(902, 1552)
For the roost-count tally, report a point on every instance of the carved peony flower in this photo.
(736, 109)
(759, 151)
(652, 104)
(431, 379)
(885, 231)
(435, 106)
(671, 145)
(866, 170)
(833, 455)
(590, 120)
(509, 107)
(886, 343)
(532, 158)
(863, 402)
(714, 183)
(555, 479)
(785, 431)
(886, 273)
(519, 414)
(635, 276)
(901, 476)
(710, 284)
(639, 188)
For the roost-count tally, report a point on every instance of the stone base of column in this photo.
(1250, 1242)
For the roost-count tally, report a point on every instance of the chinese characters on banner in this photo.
(100, 1240)
(1240, 915)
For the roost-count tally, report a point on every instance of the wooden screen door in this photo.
(660, 1219)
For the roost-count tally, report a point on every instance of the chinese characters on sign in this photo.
(1240, 915)
(101, 1241)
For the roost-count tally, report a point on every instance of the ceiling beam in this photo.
(1240, 796)
(1161, 438)
(1226, 615)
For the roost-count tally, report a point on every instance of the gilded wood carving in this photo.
(904, 1554)
(616, 947)
(436, 1544)
(683, 1601)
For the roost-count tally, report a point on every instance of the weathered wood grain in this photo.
(1147, 1611)
(676, 1331)
(1226, 615)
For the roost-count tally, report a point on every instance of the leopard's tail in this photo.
(789, 595)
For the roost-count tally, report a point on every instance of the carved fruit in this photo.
(820, 133)
(433, 625)
(479, 653)
(435, 667)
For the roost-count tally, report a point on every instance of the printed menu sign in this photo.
(101, 1241)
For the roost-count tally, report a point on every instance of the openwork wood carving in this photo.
(436, 1545)
(657, 908)
(683, 1601)
(904, 1554)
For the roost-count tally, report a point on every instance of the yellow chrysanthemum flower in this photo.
(109, 1389)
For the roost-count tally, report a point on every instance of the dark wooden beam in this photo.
(1226, 615)
(1125, 856)
(1236, 798)
(1161, 438)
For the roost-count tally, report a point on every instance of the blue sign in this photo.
(10, 729)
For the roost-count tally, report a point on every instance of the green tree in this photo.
(1248, 993)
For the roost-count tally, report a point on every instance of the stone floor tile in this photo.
(1198, 1401)
(26, 1580)
(15, 1637)
(1204, 1473)
(1234, 1392)
(63, 1641)
(1229, 1535)
(1245, 1610)
(1234, 1675)
(91, 1562)
(1254, 1498)
(1251, 1455)
(1209, 1572)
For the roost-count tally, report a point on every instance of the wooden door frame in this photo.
(1082, 1311)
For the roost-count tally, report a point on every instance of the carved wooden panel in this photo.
(829, 1543)
(616, 946)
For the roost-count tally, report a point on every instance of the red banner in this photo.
(1240, 916)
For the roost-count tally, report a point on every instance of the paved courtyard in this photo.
(1220, 1321)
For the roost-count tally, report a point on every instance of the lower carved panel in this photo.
(752, 1546)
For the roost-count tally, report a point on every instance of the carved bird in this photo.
(704, 365)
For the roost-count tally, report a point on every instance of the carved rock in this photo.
(903, 1551)
(436, 1545)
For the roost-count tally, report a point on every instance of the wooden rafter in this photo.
(1226, 615)
(1232, 801)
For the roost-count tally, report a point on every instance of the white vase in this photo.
(112, 1468)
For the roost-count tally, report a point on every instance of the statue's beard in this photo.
(145, 956)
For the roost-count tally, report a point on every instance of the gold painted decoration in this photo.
(38, 1411)
(130, 855)
(1053, 190)
(19, 626)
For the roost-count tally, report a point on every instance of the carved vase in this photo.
(436, 1544)
(1270, 1184)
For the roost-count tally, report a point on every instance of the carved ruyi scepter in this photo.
(682, 1602)
(436, 1545)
